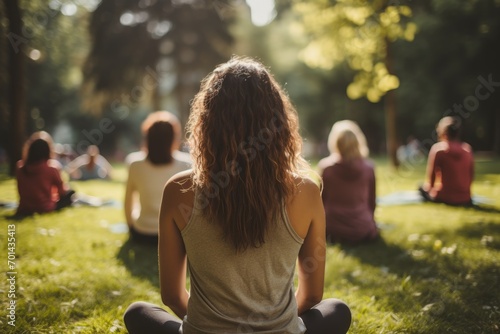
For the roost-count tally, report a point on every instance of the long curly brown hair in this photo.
(245, 143)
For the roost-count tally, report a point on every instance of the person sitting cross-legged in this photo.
(450, 166)
(39, 183)
(348, 186)
(242, 220)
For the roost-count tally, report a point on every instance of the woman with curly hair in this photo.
(241, 220)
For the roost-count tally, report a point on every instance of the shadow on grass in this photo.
(141, 260)
(487, 233)
(379, 253)
(486, 208)
(452, 292)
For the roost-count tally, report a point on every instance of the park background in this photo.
(89, 72)
(395, 67)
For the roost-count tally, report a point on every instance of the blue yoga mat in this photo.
(413, 197)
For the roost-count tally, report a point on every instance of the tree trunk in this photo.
(16, 107)
(496, 133)
(390, 126)
(184, 92)
(156, 98)
(390, 115)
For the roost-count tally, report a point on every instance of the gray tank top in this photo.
(246, 292)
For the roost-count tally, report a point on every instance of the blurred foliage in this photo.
(441, 70)
(447, 49)
(53, 45)
(358, 32)
(138, 45)
(442, 51)
(56, 45)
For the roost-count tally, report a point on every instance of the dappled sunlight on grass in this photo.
(435, 270)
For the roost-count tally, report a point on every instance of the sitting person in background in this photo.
(64, 154)
(348, 186)
(147, 176)
(39, 182)
(89, 166)
(411, 152)
(450, 166)
(143, 152)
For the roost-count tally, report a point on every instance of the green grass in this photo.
(436, 270)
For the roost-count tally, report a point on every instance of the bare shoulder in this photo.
(467, 147)
(181, 179)
(177, 185)
(54, 164)
(306, 186)
(178, 198)
(440, 146)
(304, 205)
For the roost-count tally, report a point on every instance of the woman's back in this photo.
(39, 186)
(149, 180)
(250, 290)
(349, 200)
(454, 164)
(348, 187)
(253, 288)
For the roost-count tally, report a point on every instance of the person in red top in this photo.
(348, 186)
(39, 182)
(450, 167)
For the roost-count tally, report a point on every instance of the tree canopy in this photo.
(358, 32)
(136, 46)
(337, 59)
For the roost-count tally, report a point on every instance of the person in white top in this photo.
(149, 171)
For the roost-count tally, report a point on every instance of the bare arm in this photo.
(431, 168)
(104, 163)
(171, 252)
(372, 192)
(311, 261)
(469, 148)
(128, 203)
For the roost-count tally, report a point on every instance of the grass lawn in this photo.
(436, 269)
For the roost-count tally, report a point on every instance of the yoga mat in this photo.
(413, 197)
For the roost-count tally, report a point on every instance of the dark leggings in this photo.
(331, 316)
(65, 200)
(143, 238)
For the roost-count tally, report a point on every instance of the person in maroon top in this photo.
(348, 186)
(39, 182)
(450, 166)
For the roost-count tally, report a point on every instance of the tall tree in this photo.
(39, 67)
(455, 52)
(139, 47)
(359, 32)
(16, 114)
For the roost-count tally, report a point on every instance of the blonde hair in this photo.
(347, 140)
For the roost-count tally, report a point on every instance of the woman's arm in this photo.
(104, 163)
(431, 169)
(128, 203)
(171, 251)
(311, 261)
(372, 196)
(58, 182)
